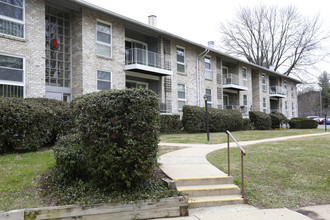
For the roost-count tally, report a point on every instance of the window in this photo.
(208, 71)
(264, 105)
(181, 96)
(285, 88)
(244, 76)
(292, 91)
(263, 80)
(11, 76)
(292, 109)
(245, 101)
(208, 93)
(103, 80)
(12, 17)
(180, 56)
(286, 108)
(103, 42)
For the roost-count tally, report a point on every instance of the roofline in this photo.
(135, 22)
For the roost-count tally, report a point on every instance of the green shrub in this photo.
(194, 119)
(302, 123)
(170, 124)
(62, 123)
(277, 119)
(119, 131)
(260, 120)
(24, 126)
(71, 163)
(246, 124)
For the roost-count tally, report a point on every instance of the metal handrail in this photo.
(243, 153)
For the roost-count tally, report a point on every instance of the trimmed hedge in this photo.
(24, 126)
(277, 119)
(260, 120)
(170, 124)
(303, 123)
(119, 130)
(246, 124)
(194, 119)
(71, 163)
(62, 123)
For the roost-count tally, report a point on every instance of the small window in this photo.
(292, 91)
(285, 88)
(245, 100)
(244, 77)
(103, 80)
(181, 96)
(104, 40)
(264, 104)
(286, 108)
(11, 76)
(12, 17)
(208, 93)
(208, 70)
(293, 109)
(263, 79)
(180, 56)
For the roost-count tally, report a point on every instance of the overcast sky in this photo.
(199, 20)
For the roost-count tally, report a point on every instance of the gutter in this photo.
(198, 75)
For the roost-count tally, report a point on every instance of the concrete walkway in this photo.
(190, 162)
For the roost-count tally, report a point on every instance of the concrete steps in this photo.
(210, 191)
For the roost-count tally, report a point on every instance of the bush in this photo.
(119, 131)
(277, 119)
(246, 124)
(71, 163)
(24, 126)
(62, 123)
(260, 120)
(170, 124)
(302, 123)
(194, 119)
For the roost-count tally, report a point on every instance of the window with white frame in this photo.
(208, 70)
(263, 81)
(11, 76)
(292, 109)
(103, 80)
(208, 94)
(12, 13)
(104, 39)
(286, 108)
(245, 100)
(264, 105)
(181, 96)
(244, 76)
(180, 56)
(292, 91)
(285, 88)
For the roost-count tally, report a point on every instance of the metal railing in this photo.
(243, 153)
(277, 90)
(231, 79)
(143, 57)
(276, 110)
(165, 106)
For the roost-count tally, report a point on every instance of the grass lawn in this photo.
(221, 137)
(290, 174)
(19, 177)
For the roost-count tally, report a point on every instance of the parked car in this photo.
(316, 118)
(321, 121)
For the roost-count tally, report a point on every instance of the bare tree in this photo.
(277, 37)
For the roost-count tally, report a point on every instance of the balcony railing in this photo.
(276, 110)
(277, 90)
(231, 79)
(165, 106)
(143, 57)
(242, 108)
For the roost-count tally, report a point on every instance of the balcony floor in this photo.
(148, 70)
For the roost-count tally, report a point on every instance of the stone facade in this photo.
(86, 62)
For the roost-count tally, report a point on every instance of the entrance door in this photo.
(58, 53)
(225, 101)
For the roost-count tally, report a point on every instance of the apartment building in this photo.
(62, 49)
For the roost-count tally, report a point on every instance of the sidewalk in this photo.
(191, 162)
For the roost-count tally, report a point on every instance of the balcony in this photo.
(232, 81)
(276, 110)
(277, 92)
(165, 106)
(144, 61)
(242, 108)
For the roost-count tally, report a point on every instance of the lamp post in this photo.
(325, 121)
(207, 119)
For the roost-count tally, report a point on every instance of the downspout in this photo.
(198, 76)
